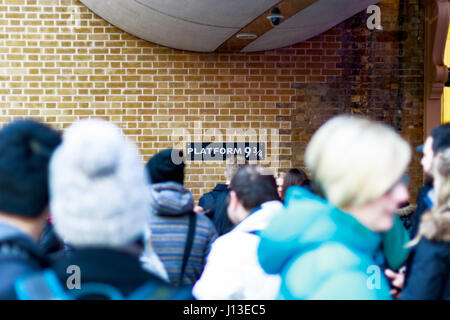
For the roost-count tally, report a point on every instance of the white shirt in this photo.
(232, 269)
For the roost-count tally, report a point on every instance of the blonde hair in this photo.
(442, 179)
(430, 221)
(355, 160)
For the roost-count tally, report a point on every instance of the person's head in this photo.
(165, 167)
(250, 187)
(233, 164)
(441, 173)
(280, 180)
(428, 156)
(98, 187)
(432, 224)
(25, 150)
(358, 164)
(436, 142)
(294, 177)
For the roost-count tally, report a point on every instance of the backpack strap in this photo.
(156, 291)
(19, 247)
(42, 285)
(189, 243)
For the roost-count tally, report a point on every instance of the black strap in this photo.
(22, 248)
(189, 242)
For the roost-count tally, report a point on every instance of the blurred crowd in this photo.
(82, 218)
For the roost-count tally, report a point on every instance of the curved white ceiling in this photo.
(232, 14)
(203, 25)
(310, 22)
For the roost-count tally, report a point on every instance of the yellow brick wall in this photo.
(59, 62)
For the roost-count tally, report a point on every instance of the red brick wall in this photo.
(381, 76)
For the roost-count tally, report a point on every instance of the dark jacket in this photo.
(119, 269)
(429, 277)
(49, 242)
(216, 203)
(19, 256)
(208, 200)
(423, 204)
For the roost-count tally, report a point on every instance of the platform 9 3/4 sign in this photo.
(220, 151)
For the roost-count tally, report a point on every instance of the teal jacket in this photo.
(322, 252)
(394, 242)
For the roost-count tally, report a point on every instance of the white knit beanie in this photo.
(98, 187)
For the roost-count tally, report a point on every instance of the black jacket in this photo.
(216, 202)
(119, 269)
(429, 276)
(423, 205)
(49, 242)
(208, 200)
(19, 256)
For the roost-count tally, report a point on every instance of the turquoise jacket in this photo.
(394, 242)
(322, 252)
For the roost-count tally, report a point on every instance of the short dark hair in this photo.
(294, 177)
(253, 186)
(441, 137)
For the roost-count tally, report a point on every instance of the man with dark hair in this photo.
(232, 270)
(25, 150)
(250, 188)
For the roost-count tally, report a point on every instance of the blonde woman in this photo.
(328, 248)
(428, 277)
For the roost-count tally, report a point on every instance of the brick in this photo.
(60, 74)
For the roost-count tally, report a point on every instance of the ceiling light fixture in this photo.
(246, 36)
